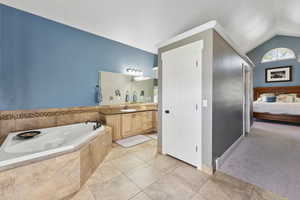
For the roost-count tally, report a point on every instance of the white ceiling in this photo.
(143, 24)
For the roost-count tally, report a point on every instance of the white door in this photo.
(181, 102)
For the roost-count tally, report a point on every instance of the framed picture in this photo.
(279, 74)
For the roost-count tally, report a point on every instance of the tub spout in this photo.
(98, 124)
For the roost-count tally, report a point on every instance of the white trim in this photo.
(283, 59)
(198, 29)
(220, 161)
(286, 33)
(209, 25)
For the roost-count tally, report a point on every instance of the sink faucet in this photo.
(98, 124)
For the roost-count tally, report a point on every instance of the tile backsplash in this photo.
(21, 120)
(11, 121)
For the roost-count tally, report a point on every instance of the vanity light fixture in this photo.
(141, 78)
(134, 71)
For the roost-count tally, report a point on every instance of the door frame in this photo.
(162, 127)
(247, 85)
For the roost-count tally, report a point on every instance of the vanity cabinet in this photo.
(130, 124)
(136, 123)
(147, 120)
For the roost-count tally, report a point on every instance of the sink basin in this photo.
(128, 110)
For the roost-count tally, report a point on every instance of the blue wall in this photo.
(277, 41)
(44, 64)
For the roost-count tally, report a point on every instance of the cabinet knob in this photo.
(167, 111)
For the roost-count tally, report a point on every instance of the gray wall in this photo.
(207, 37)
(227, 96)
(222, 86)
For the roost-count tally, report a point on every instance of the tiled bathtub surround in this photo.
(56, 178)
(19, 120)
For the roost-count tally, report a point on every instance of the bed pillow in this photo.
(297, 100)
(270, 99)
(259, 99)
(264, 96)
(286, 98)
(267, 95)
(294, 96)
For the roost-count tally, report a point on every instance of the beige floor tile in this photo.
(152, 143)
(215, 189)
(128, 171)
(232, 181)
(140, 196)
(260, 194)
(115, 145)
(115, 153)
(191, 176)
(127, 162)
(169, 187)
(119, 188)
(139, 147)
(146, 154)
(83, 194)
(144, 176)
(164, 163)
(106, 172)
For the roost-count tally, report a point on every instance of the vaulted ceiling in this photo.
(143, 24)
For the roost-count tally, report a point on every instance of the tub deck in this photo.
(58, 177)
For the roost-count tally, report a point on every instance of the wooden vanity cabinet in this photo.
(137, 123)
(130, 124)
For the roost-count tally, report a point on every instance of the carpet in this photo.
(270, 158)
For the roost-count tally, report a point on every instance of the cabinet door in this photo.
(147, 120)
(137, 123)
(127, 122)
(114, 121)
(154, 119)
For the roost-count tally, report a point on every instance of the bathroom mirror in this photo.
(117, 88)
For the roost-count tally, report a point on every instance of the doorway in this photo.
(247, 100)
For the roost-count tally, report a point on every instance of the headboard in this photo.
(276, 90)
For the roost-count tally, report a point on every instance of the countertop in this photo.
(117, 111)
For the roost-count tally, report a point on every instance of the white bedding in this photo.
(277, 108)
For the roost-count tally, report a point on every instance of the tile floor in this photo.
(139, 173)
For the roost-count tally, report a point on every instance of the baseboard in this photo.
(206, 169)
(220, 161)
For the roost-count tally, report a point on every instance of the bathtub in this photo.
(51, 141)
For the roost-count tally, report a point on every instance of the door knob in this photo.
(167, 111)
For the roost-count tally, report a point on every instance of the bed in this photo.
(285, 112)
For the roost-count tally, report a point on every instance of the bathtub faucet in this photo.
(98, 124)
